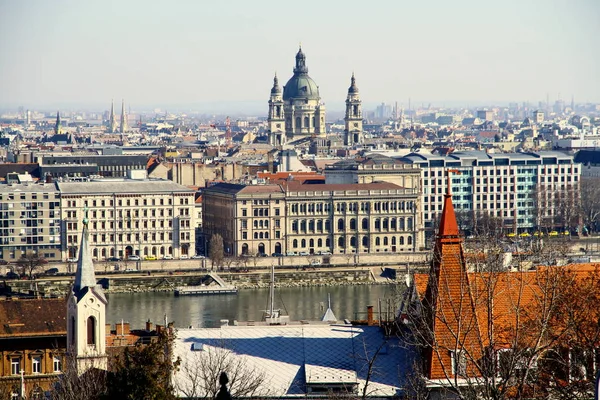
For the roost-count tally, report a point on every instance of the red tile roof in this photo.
(33, 317)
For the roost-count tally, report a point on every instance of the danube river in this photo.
(301, 303)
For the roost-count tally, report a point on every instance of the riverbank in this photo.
(167, 282)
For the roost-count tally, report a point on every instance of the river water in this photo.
(301, 303)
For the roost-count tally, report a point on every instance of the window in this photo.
(36, 365)
(91, 331)
(459, 363)
(15, 365)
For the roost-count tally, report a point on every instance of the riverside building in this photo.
(296, 219)
(526, 191)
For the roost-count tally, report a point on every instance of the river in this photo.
(301, 303)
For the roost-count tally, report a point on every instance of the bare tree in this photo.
(30, 263)
(216, 250)
(71, 385)
(199, 374)
(590, 203)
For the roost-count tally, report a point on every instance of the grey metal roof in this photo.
(30, 188)
(121, 186)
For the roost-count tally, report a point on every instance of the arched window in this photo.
(295, 243)
(327, 226)
(311, 225)
(261, 236)
(306, 122)
(245, 248)
(393, 240)
(401, 222)
(319, 242)
(311, 243)
(341, 242)
(352, 241)
(409, 223)
(409, 240)
(327, 243)
(91, 330)
(393, 224)
(353, 224)
(377, 224)
(401, 240)
(298, 122)
(377, 241)
(340, 224)
(385, 241)
(385, 223)
(303, 225)
(365, 223)
(365, 241)
(255, 235)
(255, 224)
(303, 243)
(320, 225)
(295, 225)
(73, 333)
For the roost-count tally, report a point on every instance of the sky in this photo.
(190, 54)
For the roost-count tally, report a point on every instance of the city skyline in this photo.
(65, 54)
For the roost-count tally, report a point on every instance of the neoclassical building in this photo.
(297, 112)
(299, 218)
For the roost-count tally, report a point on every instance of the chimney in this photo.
(107, 329)
(122, 328)
(148, 326)
(370, 315)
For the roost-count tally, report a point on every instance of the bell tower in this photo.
(276, 119)
(353, 130)
(86, 313)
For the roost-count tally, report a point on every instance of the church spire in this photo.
(353, 89)
(276, 89)
(57, 125)
(112, 123)
(124, 126)
(448, 225)
(84, 277)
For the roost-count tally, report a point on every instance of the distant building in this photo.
(300, 107)
(524, 190)
(538, 116)
(311, 219)
(485, 115)
(76, 165)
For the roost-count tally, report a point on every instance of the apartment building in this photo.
(525, 191)
(313, 218)
(30, 221)
(128, 217)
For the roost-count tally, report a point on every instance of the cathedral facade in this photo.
(298, 113)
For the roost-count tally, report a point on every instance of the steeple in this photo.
(112, 123)
(86, 312)
(353, 130)
(124, 126)
(57, 127)
(85, 276)
(276, 89)
(448, 225)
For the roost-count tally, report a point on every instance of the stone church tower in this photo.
(276, 119)
(353, 131)
(86, 313)
(303, 111)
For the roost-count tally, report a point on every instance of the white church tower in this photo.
(86, 313)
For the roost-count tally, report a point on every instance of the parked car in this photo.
(51, 271)
(315, 262)
(167, 257)
(130, 270)
(304, 253)
(291, 253)
(277, 255)
(183, 257)
(198, 257)
(12, 275)
(261, 254)
(71, 260)
(113, 259)
(134, 258)
(3, 262)
(150, 258)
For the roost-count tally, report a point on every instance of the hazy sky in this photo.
(224, 53)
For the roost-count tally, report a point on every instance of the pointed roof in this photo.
(448, 225)
(353, 89)
(85, 278)
(276, 89)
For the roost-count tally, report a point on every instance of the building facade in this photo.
(526, 191)
(129, 217)
(298, 219)
(30, 221)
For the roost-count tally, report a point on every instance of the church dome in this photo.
(301, 85)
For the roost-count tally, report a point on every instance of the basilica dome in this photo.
(300, 85)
